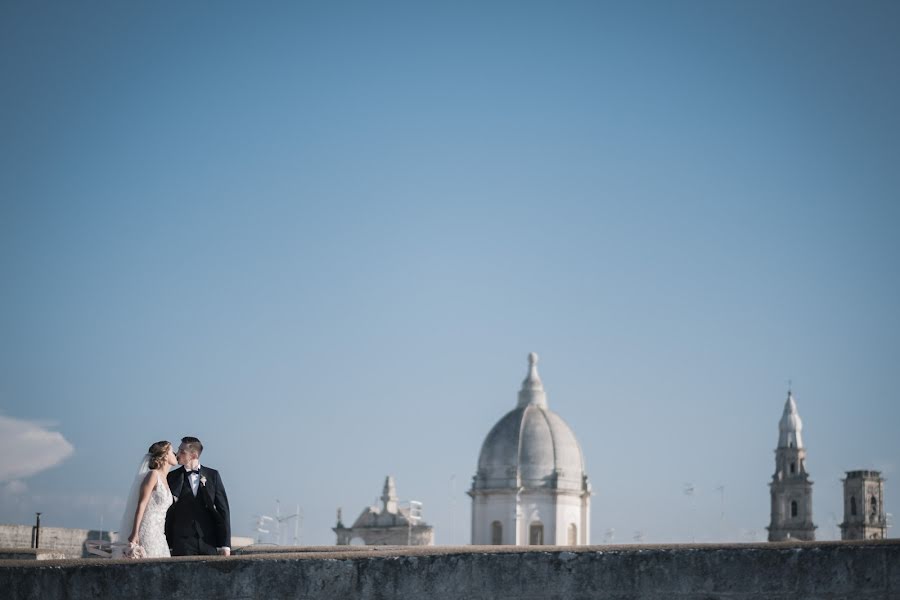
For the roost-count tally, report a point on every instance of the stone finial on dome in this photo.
(532, 391)
(790, 426)
(389, 495)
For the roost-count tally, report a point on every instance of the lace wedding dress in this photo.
(152, 532)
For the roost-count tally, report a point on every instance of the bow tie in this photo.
(188, 471)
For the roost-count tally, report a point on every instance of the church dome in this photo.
(531, 446)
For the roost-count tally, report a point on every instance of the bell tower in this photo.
(791, 488)
(864, 517)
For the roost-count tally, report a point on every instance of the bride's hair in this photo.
(158, 452)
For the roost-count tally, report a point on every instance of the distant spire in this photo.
(389, 495)
(790, 426)
(532, 391)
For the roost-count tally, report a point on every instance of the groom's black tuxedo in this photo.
(197, 524)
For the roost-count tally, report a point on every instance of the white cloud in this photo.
(15, 487)
(27, 448)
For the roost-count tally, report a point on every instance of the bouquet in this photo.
(134, 551)
(119, 550)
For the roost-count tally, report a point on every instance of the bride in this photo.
(148, 502)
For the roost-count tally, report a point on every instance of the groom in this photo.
(198, 521)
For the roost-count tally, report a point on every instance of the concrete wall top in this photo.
(865, 570)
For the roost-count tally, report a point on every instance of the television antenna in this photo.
(721, 490)
(689, 490)
(452, 491)
(413, 516)
(832, 518)
(261, 526)
(298, 524)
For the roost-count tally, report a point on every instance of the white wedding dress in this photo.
(152, 532)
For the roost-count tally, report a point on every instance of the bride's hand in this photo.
(133, 539)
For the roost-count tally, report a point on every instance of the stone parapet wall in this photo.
(783, 571)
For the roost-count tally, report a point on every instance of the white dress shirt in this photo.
(194, 479)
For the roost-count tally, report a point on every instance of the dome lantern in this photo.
(532, 391)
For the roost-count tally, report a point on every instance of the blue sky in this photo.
(323, 237)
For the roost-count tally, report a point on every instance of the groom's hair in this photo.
(192, 444)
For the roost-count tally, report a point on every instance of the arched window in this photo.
(496, 533)
(793, 508)
(573, 535)
(536, 534)
(874, 504)
(793, 467)
(853, 505)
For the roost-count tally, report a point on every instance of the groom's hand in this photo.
(224, 551)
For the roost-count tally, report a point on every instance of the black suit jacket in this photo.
(204, 515)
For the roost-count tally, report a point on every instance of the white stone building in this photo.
(531, 488)
(791, 487)
(387, 525)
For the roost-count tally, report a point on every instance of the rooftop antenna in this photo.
(260, 526)
(452, 537)
(722, 528)
(721, 490)
(298, 526)
(689, 491)
(413, 516)
(280, 520)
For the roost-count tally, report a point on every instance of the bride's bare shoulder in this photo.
(150, 480)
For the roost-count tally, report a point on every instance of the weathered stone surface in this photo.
(782, 571)
(31, 554)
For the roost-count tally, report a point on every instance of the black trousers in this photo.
(192, 546)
